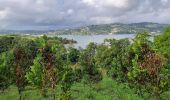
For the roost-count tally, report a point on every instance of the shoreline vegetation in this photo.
(63, 40)
(42, 68)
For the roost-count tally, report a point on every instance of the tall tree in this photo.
(113, 56)
(6, 69)
(147, 67)
(87, 61)
(24, 51)
(162, 46)
(47, 65)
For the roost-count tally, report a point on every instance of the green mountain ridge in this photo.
(114, 28)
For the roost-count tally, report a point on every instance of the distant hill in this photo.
(114, 28)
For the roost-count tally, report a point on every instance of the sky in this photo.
(56, 14)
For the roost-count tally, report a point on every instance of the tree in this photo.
(67, 80)
(19, 55)
(162, 46)
(147, 68)
(34, 76)
(90, 71)
(73, 55)
(38, 72)
(48, 66)
(6, 69)
(113, 56)
(6, 43)
(24, 51)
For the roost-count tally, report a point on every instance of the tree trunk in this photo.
(20, 97)
(156, 96)
(147, 98)
(53, 93)
(54, 96)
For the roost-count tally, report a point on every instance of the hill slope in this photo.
(116, 28)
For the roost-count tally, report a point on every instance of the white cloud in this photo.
(70, 11)
(89, 2)
(115, 3)
(3, 13)
(164, 1)
(40, 2)
(107, 3)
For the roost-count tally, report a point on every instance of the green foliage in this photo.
(50, 65)
(147, 72)
(6, 43)
(73, 55)
(162, 46)
(87, 61)
(6, 69)
(34, 76)
(66, 83)
(104, 56)
(139, 47)
(113, 55)
(139, 67)
(107, 89)
(162, 42)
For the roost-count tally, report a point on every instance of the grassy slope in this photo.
(107, 89)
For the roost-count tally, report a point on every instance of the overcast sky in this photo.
(49, 14)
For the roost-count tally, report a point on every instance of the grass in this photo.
(107, 89)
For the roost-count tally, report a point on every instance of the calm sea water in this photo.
(84, 40)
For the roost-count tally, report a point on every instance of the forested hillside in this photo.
(42, 68)
(115, 28)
